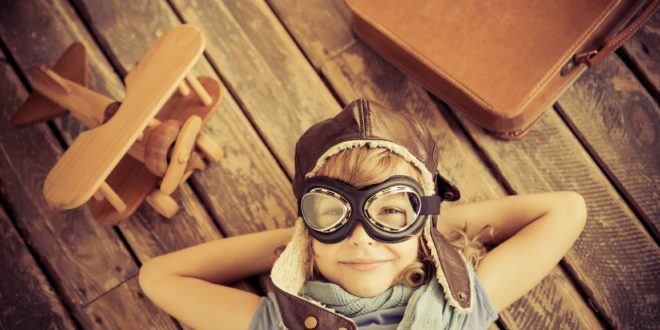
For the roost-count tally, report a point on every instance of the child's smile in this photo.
(362, 266)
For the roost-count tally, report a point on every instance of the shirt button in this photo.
(462, 296)
(311, 322)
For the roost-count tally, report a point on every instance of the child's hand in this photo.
(533, 232)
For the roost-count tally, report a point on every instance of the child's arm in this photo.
(183, 282)
(533, 232)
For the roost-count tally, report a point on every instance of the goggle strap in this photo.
(448, 191)
(430, 205)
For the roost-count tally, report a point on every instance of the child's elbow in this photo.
(575, 209)
(148, 277)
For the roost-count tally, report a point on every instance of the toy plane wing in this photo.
(89, 160)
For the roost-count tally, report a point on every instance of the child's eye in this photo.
(334, 211)
(391, 211)
(392, 217)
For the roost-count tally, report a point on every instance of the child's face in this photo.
(361, 265)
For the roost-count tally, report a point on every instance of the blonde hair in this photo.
(363, 166)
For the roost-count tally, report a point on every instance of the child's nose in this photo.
(359, 236)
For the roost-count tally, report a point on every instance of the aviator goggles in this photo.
(390, 212)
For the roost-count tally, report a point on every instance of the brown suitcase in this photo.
(500, 62)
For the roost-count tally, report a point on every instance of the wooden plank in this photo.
(149, 235)
(85, 166)
(83, 259)
(358, 70)
(319, 43)
(190, 226)
(555, 313)
(28, 300)
(147, 232)
(272, 80)
(246, 163)
(47, 30)
(643, 49)
(246, 190)
(619, 122)
(615, 260)
(103, 312)
(228, 186)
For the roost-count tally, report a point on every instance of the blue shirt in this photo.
(483, 314)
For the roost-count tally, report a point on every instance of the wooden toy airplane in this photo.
(141, 148)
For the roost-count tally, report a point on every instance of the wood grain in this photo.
(555, 313)
(82, 258)
(72, 65)
(132, 182)
(46, 30)
(643, 49)
(103, 312)
(359, 70)
(615, 261)
(319, 42)
(190, 226)
(28, 300)
(619, 123)
(62, 18)
(246, 190)
(272, 80)
(94, 153)
(147, 233)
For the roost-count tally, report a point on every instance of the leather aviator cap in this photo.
(366, 123)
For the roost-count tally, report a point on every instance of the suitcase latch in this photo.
(576, 61)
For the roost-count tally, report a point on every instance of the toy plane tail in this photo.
(72, 65)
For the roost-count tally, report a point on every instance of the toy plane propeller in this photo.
(141, 148)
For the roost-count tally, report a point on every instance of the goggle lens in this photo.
(393, 209)
(324, 210)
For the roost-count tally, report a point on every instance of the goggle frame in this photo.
(356, 199)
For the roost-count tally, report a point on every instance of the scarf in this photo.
(427, 306)
(335, 297)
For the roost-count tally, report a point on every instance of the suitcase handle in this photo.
(595, 56)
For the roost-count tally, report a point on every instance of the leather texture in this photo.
(500, 62)
(295, 310)
(363, 119)
(454, 268)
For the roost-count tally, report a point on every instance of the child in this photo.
(369, 247)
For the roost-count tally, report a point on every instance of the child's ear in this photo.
(448, 191)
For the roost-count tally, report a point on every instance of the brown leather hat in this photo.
(364, 122)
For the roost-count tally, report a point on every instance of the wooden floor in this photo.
(285, 65)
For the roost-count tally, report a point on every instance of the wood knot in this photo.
(110, 111)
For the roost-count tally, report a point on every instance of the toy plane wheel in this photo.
(163, 203)
(208, 148)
